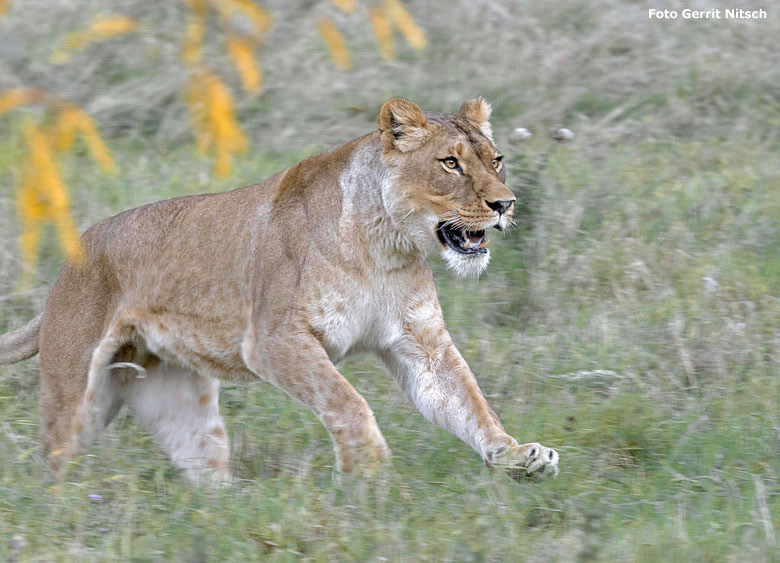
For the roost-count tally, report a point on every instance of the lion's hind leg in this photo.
(181, 409)
(91, 412)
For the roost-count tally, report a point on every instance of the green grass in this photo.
(577, 333)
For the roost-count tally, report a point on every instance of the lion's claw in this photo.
(528, 460)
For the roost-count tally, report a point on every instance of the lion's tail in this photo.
(21, 343)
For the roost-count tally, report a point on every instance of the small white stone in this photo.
(519, 134)
(710, 284)
(15, 547)
(563, 134)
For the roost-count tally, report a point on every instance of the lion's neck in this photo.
(372, 233)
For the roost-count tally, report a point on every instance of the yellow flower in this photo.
(241, 43)
(405, 24)
(242, 51)
(42, 194)
(335, 43)
(261, 19)
(43, 197)
(73, 119)
(112, 26)
(196, 30)
(213, 120)
(348, 6)
(383, 31)
(64, 129)
(99, 29)
(16, 97)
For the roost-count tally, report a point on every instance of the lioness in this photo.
(277, 282)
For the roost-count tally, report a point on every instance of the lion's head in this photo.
(446, 179)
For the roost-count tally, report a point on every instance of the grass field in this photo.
(632, 322)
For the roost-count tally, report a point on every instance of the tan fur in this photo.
(478, 111)
(277, 282)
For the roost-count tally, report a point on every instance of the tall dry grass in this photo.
(603, 68)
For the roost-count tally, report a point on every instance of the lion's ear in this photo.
(478, 110)
(402, 124)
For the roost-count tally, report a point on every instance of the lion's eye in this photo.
(451, 162)
(497, 162)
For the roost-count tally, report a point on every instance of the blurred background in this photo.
(632, 321)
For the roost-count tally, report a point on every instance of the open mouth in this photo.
(462, 240)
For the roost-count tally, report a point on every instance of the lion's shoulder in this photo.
(322, 168)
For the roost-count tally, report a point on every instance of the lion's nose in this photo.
(500, 205)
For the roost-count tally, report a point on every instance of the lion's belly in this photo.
(206, 345)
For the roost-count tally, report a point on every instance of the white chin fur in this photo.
(466, 265)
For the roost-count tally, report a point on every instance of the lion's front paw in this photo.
(528, 460)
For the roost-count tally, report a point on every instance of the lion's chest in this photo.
(350, 317)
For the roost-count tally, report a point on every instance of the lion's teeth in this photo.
(467, 244)
(483, 244)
